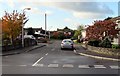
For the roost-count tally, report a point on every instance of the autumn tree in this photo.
(101, 29)
(0, 32)
(12, 24)
(55, 35)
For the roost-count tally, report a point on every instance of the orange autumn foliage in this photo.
(12, 24)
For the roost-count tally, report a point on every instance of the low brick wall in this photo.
(105, 51)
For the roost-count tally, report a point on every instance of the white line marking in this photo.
(40, 65)
(22, 65)
(68, 66)
(53, 65)
(37, 61)
(75, 51)
(114, 67)
(83, 66)
(46, 54)
(99, 66)
(52, 49)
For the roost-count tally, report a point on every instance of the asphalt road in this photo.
(52, 60)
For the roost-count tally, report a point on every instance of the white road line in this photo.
(37, 61)
(99, 66)
(52, 49)
(68, 66)
(22, 65)
(114, 67)
(40, 65)
(53, 65)
(46, 54)
(83, 66)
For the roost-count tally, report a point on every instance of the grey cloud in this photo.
(81, 9)
(93, 7)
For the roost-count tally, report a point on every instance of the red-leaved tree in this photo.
(100, 29)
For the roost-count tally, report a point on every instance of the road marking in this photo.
(22, 65)
(52, 49)
(99, 66)
(46, 54)
(68, 66)
(75, 51)
(37, 61)
(53, 65)
(114, 67)
(40, 65)
(83, 66)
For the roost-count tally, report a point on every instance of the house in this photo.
(83, 33)
(68, 33)
(37, 31)
(117, 39)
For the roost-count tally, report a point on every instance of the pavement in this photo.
(84, 52)
(22, 50)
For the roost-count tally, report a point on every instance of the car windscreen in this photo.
(67, 41)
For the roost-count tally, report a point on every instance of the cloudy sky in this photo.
(61, 13)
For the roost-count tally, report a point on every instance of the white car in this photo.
(67, 44)
(29, 36)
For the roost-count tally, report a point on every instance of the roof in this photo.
(34, 28)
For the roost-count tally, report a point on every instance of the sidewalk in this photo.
(84, 52)
(22, 50)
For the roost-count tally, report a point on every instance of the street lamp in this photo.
(23, 26)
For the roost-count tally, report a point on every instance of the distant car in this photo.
(67, 44)
(29, 36)
(41, 40)
(30, 40)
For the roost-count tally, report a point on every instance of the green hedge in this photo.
(94, 43)
(115, 46)
(106, 43)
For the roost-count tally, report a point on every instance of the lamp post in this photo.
(23, 26)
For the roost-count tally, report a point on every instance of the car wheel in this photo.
(73, 48)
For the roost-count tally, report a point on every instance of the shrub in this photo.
(6, 42)
(106, 43)
(94, 43)
(115, 46)
(75, 41)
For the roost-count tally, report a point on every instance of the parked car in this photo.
(29, 36)
(30, 40)
(67, 44)
(42, 40)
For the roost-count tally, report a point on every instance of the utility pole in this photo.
(45, 24)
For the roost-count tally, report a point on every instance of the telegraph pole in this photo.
(45, 24)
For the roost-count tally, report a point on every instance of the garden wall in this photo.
(105, 51)
(27, 43)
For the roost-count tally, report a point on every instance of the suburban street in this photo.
(50, 59)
